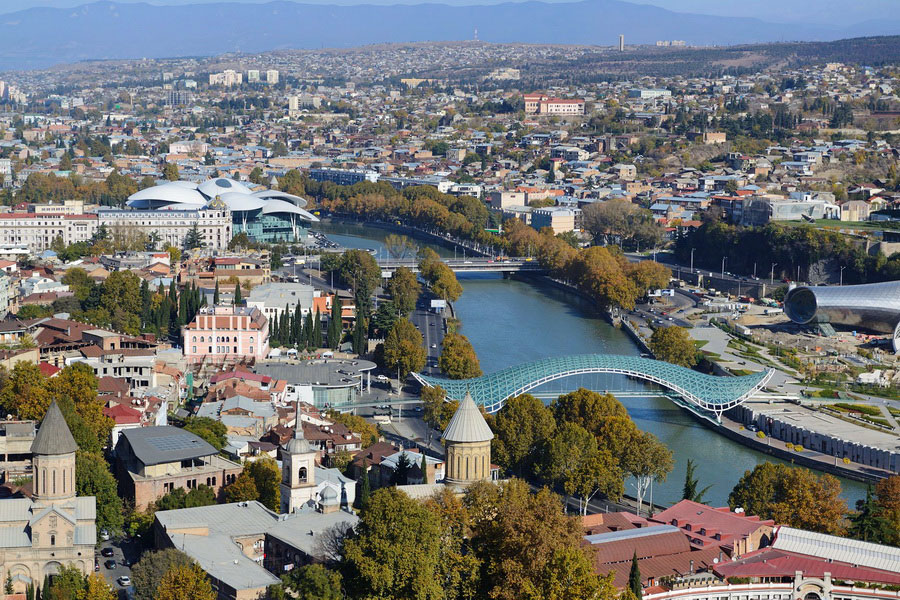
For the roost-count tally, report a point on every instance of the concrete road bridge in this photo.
(470, 265)
(706, 395)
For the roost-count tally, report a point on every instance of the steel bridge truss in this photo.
(710, 393)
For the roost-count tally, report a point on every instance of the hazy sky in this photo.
(783, 11)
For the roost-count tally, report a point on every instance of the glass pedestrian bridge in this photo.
(709, 393)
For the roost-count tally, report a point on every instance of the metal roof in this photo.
(825, 546)
(467, 424)
(164, 444)
(710, 392)
(53, 436)
(630, 534)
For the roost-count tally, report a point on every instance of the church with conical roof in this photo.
(54, 527)
(467, 440)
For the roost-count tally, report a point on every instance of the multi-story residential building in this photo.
(253, 76)
(649, 94)
(343, 176)
(172, 226)
(37, 231)
(272, 76)
(557, 218)
(222, 332)
(541, 104)
(153, 461)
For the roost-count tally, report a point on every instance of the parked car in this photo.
(107, 551)
(124, 580)
(110, 564)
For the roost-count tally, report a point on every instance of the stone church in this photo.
(54, 527)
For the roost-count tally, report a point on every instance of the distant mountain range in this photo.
(39, 37)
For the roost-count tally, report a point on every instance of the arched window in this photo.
(301, 474)
(53, 475)
(64, 481)
(52, 539)
(43, 481)
(202, 338)
(467, 467)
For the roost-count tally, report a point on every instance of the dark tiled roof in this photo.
(53, 436)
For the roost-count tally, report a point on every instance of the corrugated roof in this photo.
(53, 436)
(841, 549)
(468, 424)
(164, 444)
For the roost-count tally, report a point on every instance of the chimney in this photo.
(691, 568)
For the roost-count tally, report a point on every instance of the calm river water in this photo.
(510, 322)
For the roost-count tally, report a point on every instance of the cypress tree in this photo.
(334, 324)
(424, 467)
(297, 327)
(308, 331)
(634, 577)
(216, 294)
(365, 490)
(238, 300)
(317, 331)
(359, 336)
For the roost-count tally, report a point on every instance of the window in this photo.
(301, 475)
(195, 339)
(52, 539)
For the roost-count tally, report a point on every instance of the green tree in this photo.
(587, 408)
(674, 344)
(185, 582)
(458, 359)
(437, 411)
(570, 574)
(404, 289)
(256, 176)
(94, 478)
(502, 517)
(571, 459)
(689, 491)
(170, 172)
(358, 269)
(445, 285)
(647, 460)
(202, 495)
(403, 350)
(314, 582)
(216, 294)
(396, 551)
(152, 567)
(267, 477)
(791, 496)
(635, 583)
(868, 523)
(212, 431)
(242, 489)
(521, 429)
(67, 584)
(365, 490)
(400, 476)
(335, 324)
(193, 239)
(887, 493)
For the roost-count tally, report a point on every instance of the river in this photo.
(512, 321)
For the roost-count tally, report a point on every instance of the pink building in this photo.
(218, 333)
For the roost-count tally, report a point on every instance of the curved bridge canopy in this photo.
(709, 392)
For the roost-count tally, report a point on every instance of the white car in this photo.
(382, 379)
(124, 580)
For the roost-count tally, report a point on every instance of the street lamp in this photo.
(772, 274)
(692, 259)
(842, 275)
(724, 258)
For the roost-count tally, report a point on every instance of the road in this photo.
(431, 325)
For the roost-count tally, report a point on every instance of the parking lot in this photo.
(113, 572)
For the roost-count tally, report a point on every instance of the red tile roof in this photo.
(48, 370)
(771, 562)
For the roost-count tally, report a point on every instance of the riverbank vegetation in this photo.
(601, 273)
(584, 443)
(778, 250)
